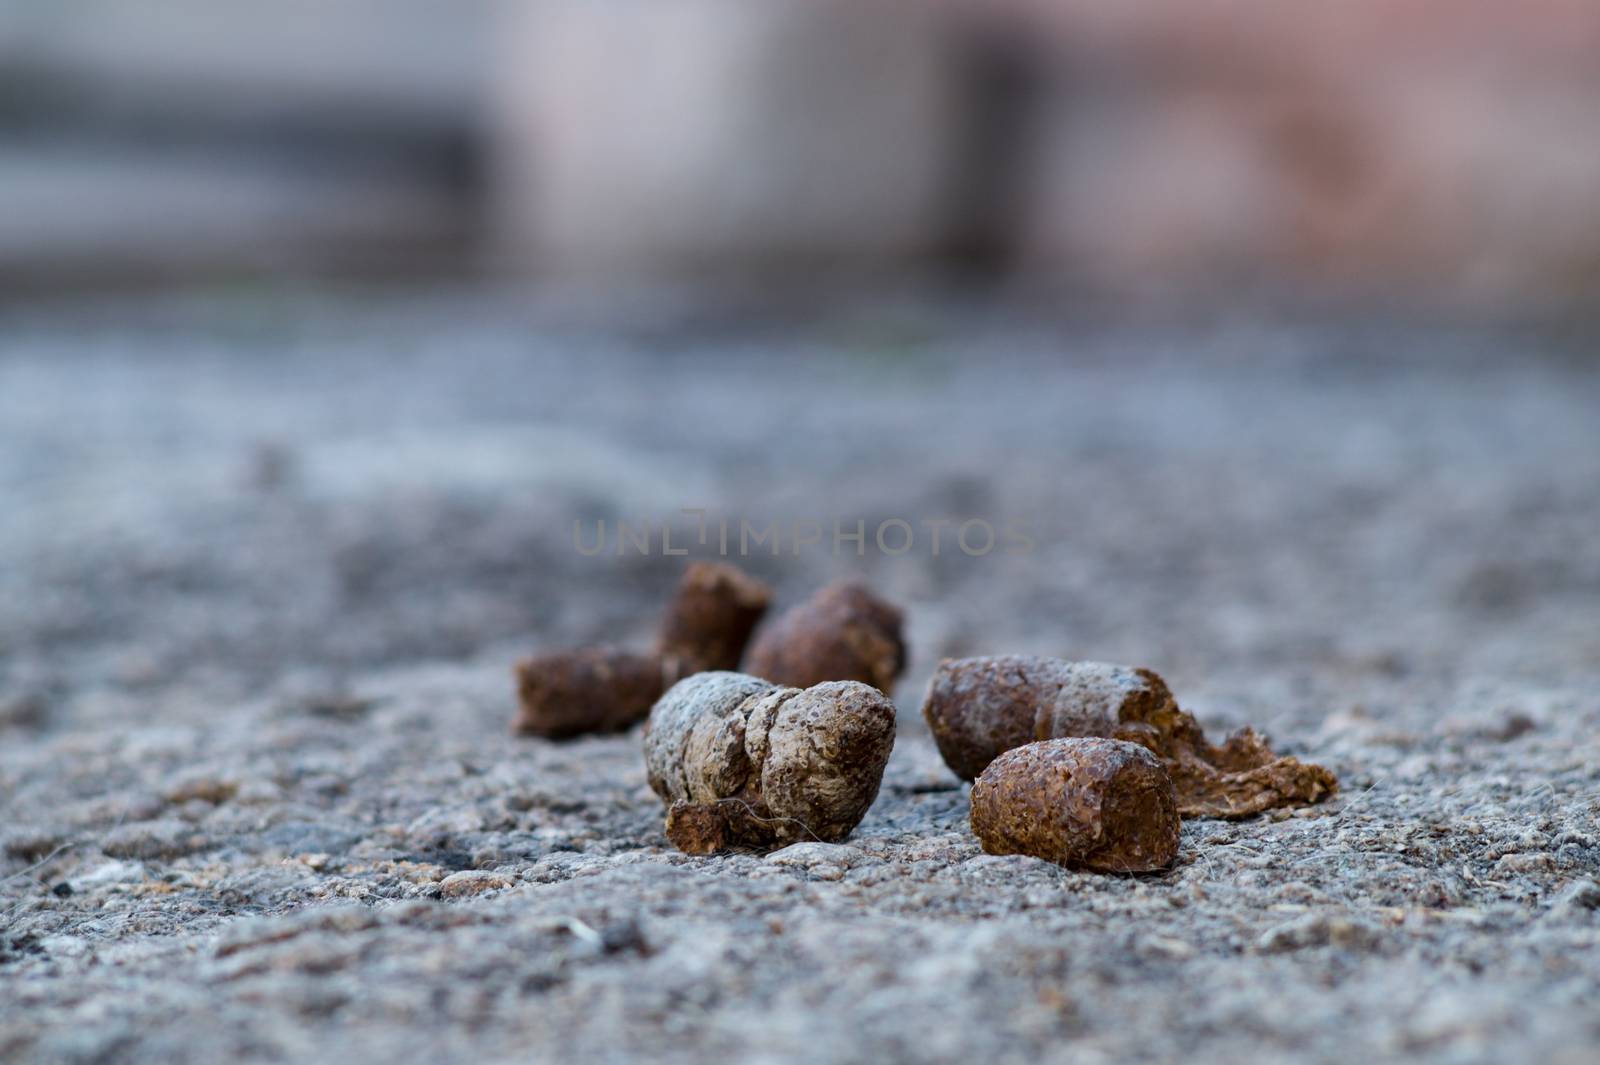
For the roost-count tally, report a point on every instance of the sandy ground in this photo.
(265, 563)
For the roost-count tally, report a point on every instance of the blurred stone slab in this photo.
(210, 138)
(421, 60)
(94, 213)
(723, 135)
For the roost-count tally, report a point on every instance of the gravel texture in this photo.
(266, 561)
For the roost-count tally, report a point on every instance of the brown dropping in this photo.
(710, 618)
(568, 693)
(1100, 804)
(844, 632)
(978, 708)
(590, 689)
(741, 762)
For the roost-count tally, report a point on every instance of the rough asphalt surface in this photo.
(265, 565)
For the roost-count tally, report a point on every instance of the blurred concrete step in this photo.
(420, 61)
(91, 212)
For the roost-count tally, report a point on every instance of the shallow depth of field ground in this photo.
(265, 564)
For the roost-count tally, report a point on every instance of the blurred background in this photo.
(290, 375)
(363, 432)
(1439, 152)
(322, 323)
